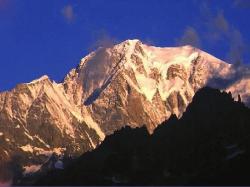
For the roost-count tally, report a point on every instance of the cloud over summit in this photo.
(68, 13)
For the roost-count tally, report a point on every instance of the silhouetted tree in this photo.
(209, 145)
(239, 98)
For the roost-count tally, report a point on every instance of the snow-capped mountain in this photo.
(127, 84)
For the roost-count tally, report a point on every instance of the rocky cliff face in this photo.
(37, 119)
(161, 81)
(128, 84)
(135, 84)
(193, 150)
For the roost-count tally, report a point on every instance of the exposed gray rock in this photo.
(128, 84)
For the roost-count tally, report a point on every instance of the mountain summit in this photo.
(127, 84)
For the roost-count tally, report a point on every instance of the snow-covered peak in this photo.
(42, 78)
(129, 83)
(150, 66)
(130, 42)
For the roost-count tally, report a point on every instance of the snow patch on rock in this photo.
(31, 169)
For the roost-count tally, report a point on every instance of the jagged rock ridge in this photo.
(127, 84)
(193, 150)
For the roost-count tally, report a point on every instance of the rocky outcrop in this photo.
(209, 145)
(127, 84)
(37, 120)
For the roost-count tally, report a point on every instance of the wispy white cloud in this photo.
(102, 38)
(149, 41)
(68, 13)
(237, 47)
(218, 27)
(4, 4)
(189, 37)
(220, 22)
(242, 3)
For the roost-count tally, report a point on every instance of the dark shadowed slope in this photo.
(209, 145)
(130, 83)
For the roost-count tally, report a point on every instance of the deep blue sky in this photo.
(50, 37)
